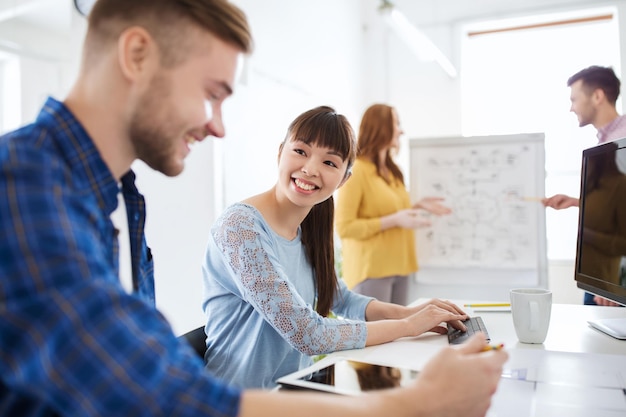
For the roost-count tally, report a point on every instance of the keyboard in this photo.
(473, 324)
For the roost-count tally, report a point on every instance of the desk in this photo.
(573, 351)
(568, 331)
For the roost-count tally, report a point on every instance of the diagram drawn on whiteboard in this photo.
(492, 186)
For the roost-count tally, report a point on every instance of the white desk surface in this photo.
(568, 332)
(572, 351)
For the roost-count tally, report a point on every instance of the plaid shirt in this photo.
(613, 131)
(72, 341)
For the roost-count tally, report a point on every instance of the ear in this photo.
(137, 52)
(345, 178)
(598, 96)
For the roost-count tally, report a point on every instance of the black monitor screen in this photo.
(601, 247)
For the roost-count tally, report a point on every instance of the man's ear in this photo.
(136, 52)
(345, 178)
(598, 95)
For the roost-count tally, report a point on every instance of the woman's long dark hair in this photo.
(322, 126)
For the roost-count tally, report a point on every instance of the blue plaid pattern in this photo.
(72, 341)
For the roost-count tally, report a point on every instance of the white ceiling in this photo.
(53, 15)
(435, 12)
(57, 15)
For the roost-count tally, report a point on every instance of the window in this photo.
(514, 76)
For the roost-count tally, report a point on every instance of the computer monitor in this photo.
(601, 246)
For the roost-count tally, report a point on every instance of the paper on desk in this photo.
(561, 384)
(519, 398)
(568, 368)
(584, 398)
(408, 352)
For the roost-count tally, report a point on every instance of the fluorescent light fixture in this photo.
(420, 44)
(84, 6)
(13, 10)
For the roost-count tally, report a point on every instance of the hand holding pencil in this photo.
(487, 348)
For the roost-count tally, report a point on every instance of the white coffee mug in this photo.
(531, 308)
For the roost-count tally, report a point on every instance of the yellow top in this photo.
(368, 251)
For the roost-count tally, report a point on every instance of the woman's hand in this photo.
(409, 219)
(445, 304)
(433, 205)
(387, 321)
(430, 316)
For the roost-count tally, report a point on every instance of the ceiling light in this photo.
(415, 39)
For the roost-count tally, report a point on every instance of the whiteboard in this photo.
(496, 234)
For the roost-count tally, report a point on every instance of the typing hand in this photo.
(430, 317)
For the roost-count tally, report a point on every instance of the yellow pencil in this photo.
(487, 348)
(488, 305)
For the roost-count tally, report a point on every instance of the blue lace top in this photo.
(258, 299)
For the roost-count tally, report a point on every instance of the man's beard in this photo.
(153, 143)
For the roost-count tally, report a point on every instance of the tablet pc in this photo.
(347, 377)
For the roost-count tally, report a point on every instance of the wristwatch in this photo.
(84, 6)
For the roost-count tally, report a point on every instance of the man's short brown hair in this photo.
(167, 21)
(596, 77)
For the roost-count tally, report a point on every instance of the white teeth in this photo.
(304, 186)
(189, 139)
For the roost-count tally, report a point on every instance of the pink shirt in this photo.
(613, 131)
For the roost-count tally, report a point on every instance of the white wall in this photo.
(307, 53)
(48, 61)
(309, 56)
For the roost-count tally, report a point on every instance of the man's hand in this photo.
(560, 202)
(460, 381)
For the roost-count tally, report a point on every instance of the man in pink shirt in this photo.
(594, 92)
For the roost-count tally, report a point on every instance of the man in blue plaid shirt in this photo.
(74, 339)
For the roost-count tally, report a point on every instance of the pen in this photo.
(488, 305)
(487, 348)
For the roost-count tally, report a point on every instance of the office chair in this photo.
(196, 339)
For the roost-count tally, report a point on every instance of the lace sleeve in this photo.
(245, 248)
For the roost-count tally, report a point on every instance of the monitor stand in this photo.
(612, 327)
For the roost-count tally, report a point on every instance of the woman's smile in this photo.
(304, 185)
